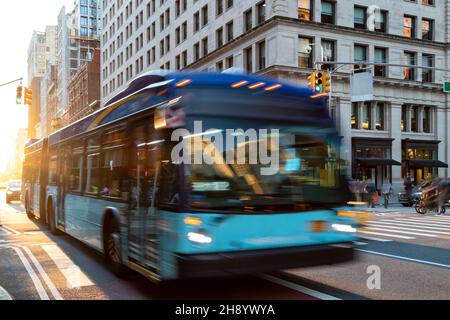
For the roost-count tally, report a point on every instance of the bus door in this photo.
(63, 183)
(142, 231)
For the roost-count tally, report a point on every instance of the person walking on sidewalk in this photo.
(371, 189)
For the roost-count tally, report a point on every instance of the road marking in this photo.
(11, 230)
(407, 224)
(420, 223)
(375, 239)
(411, 229)
(387, 235)
(4, 231)
(4, 295)
(74, 276)
(428, 222)
(298, 288)
(405, 258)
(43, 274)
(357, 243)
(37, 283)
(404, 232)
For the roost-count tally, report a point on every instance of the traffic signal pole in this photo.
(10, 82)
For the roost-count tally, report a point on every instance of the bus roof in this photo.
(134, 99)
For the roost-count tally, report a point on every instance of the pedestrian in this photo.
(371, 189)
(387, 191)
(442, 196)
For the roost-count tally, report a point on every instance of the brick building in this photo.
(84, 89)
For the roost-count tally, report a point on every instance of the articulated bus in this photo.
(119, 182)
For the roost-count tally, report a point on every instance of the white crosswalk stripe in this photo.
(409, 227)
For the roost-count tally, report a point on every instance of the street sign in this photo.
(447, 86)
(361, 86)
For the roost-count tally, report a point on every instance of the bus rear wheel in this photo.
(30, 215)
(112, 248)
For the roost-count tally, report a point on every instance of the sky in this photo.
(18, 20)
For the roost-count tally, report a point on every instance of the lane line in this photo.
(36, 281)
(411, 229)
(11, 230)
(415, 222)
(405, 258)
(387, 235)
(298, 288)
(4, 295)
(407, 225)
(375, 239)
(4, 231)
(73, 274)
(404, 232)
(43, 274)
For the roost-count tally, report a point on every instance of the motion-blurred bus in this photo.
(111, 180)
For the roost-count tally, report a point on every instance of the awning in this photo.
(428, 164)
(373, 162)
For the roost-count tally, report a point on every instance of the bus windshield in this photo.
(306, 173)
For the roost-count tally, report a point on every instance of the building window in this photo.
(304, 57)
(305, 10)
(230, 31)
(414, 119)
(379, 117)
(329, 53)
(380, 57)
(360, 17)
(427, 29)
(381, 21)
(427, 61)
(328, 12)
(360, 57)
(248, 20)
(409, 26)
(409, 71)
(367, 116)
(204, 16)
(229, 62)
(205, 46)
(404, 124)
(355, 115)
(261, 12)
(196, 22)
(219, 7)
(426, 120)
(261, 47)
(248, 53)
(219, 38)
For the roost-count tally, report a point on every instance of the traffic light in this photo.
(327, 83)
(28, 97)
(312, 80)
(19, 99)
(319, 81)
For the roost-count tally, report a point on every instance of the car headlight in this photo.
(343, 228)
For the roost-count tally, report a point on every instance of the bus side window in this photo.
(169, 194)
(113, 165)
(76, 167)
(93, 166)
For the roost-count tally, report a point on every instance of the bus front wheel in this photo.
(112, 247)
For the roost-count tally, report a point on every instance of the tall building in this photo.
(402, 131)
(41, 52)
(84, 89)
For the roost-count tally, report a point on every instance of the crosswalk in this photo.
(408, 227)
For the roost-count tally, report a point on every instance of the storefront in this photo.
(372, 160)
(420, 159)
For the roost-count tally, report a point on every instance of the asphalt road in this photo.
(411, 253)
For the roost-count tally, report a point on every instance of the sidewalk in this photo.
(394, 207)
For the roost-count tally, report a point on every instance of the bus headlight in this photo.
(199, 237)
(343, 228)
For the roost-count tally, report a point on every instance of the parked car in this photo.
(13, 191)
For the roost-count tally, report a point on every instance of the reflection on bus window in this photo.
(92, 167)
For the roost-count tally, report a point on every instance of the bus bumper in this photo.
(249, 262)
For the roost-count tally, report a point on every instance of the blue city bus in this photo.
(111, 181)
